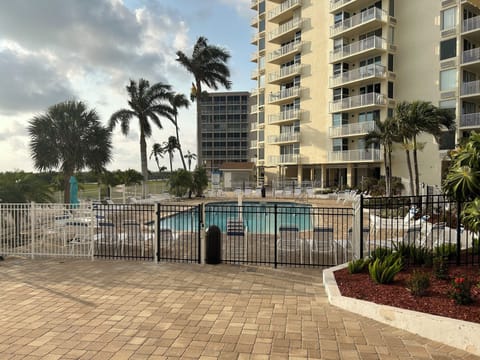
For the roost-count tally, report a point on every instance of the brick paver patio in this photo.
(74, 309)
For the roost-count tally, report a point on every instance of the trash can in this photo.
(264, 192)
(214, 245)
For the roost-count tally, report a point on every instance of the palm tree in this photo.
(169, 147)
(157, 151)
(385, 133)
(404, 128)
(147, 103)
(190, 156)
(208, 65)
(177, 101)
(70, 137)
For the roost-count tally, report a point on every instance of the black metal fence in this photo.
(421, 227)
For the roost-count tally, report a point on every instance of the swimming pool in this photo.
(258, 217)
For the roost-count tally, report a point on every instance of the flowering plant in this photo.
(462, 291)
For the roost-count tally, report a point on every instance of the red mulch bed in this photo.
(436, 302)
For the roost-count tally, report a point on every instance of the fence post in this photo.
(156, 248)
(361, 226)
(32, 222)
(201, 225)
(275, 236)
(459, 245)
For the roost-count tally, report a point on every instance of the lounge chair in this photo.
(289, 242)
(322, 242)
(236, 240)
(78, 237)
(105, 238)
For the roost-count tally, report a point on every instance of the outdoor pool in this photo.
(258, 217)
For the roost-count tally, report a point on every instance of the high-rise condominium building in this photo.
(327, 69)
(223, 129)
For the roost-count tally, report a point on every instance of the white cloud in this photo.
(242, 7)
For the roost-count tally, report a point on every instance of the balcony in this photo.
(256, 37)
(285, 73)
(286, 51)
(363, 73)
(361, 128)
(470, 120)
(254, 4)
(253, 144)
(371, 16)
(471, 88)
(337, 4)
(359, 101)
(285, 159)
(471, 56)
(256, 108)
(471, 24)
(287, 137)
(254, 21)
(358, 47)
(285, 95)
(280, 34)
(284, 11)
(285, 117)
(372, 155)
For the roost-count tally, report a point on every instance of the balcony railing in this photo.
(253, 143)
(253, 4)
(256, 108)
(370, 43)
(364, 72)
(471, 55)
(470, 120)
(285, 72)
(285, 137)
(335, 4)
(285, 6)
(471, 24)
(352, 129)
(355, 155)
(284, 50)
(285, 28)
(470, 88)
(284, 159)
(289, 115)
(285, 94)
(370, 99)
(359, 19)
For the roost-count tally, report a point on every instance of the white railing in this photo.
(471, 24)
(359, 19)
(470, 88)
(284, 50)
(369, 99)
(254, 3)
(284, 159)
(287, 115)
(335, 4)
(471, 55)
(354, 155)
(284, 94)
(285, 28)
(285, 6)
(372, 42)
(253, 143)
(352, 129)
(364, 72)
(294, 69)
(470, 120)
(284, 137)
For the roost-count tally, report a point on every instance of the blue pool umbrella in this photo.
(74, 190)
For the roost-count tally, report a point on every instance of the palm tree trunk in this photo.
(180, 145)
(387, 171)
(198, 84)
(66, 187)
(409, 166)
(390, 170)
(143, 159)
(170, 155)
(415, 164)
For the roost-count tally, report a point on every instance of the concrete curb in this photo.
(462, 335)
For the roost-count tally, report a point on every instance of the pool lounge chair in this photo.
(289, 243)
(322, 243)
(236, 240)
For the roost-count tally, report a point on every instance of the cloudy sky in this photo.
(56, 50)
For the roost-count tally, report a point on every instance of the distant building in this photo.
(223, 129)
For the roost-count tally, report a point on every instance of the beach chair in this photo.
(134, 237)
(78, 238)
(322, 243)
(289, 242)
(105, 238)
(236, 240)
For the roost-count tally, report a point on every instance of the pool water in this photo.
(258, 217)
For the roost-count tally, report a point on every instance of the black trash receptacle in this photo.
(214, 245)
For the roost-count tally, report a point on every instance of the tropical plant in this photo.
(385, 134)
(384, 271)
(169, 147)
(129, 177)
(357, 266)
(21, 187)
(178, 101)
(440, 267)
(418, 283)
(69, 137)
(157, 152)
(147, 104)
(190, 156)
(180, 183)
(200, 181)
(208, 65)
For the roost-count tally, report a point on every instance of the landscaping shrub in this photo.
(440, 267)
(357, 266)
(417, 255)
(384, 271)
(446, 250)
(418, 283)
(461, 291)
(379, 253)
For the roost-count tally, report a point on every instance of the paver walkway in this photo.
(74, 309)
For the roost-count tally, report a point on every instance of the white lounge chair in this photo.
(236, 240)
(289, 242)
(322, 243)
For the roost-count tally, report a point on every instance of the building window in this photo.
(340, 144)
(448, 49)
(339, 119)
(450, 105)
(390, 62)
(391, 8)
(448, 80)
(261, 7)
(390, 90)
(448, 18)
